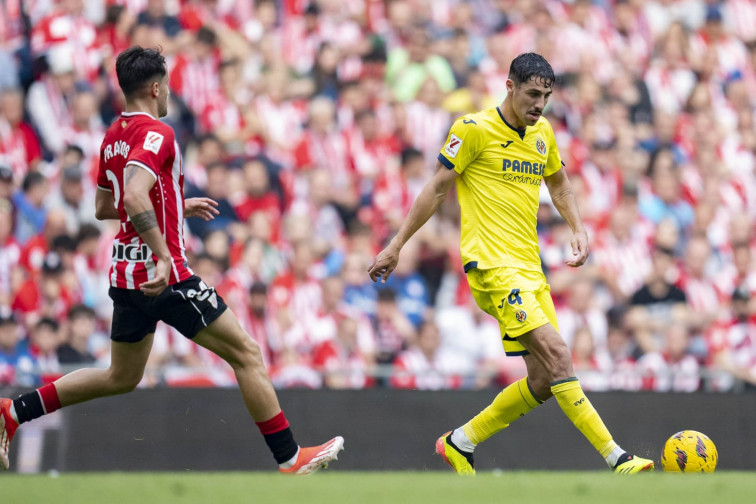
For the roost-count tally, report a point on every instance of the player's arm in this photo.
(427, 202)
(105, 205)
(136, 201)
(563, 198)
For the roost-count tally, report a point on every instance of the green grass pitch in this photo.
(520, 487)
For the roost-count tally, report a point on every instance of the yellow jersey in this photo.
(500, 172)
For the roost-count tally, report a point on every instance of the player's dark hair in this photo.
(531, 65)
(137, 67)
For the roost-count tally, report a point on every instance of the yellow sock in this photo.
(571, 398)
(513, 402)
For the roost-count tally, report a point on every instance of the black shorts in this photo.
(188, 306)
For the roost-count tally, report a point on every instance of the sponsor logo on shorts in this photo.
(205, 294)
(520, 315)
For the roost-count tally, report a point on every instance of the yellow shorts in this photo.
(519, 299)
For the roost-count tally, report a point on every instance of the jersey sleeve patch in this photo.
(452, 147)
(152, 142)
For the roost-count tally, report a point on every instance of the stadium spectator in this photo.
(218, 189)
(19, 144)
(666, 202)
(30, 209)
(194, 76)
(44, 295)
(50, 98)
(620, 347)
(672, 368)
(10, 253)
(666, 118)
(732, 345)
(408, 68)
(359, 293)
(410, 287)
(44, 341)
(259, 195)
(16, 362)
(426, 364)
(72, 200)
(474, 339)
(657, 304)
(591, 364)
(343, 363)
(80, 334)
(323, 213)
(580, 313)
(6, 182)
(393, 330)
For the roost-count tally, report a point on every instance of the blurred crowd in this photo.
(315, 124)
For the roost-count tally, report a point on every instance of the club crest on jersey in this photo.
(540, 146)
(124, 124)
(521, 315)
(453, 146)
(153, 141)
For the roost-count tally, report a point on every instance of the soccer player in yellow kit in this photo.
(498, 158)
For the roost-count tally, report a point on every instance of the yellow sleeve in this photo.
(462, 144)
(554, 159)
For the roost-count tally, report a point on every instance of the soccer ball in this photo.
(689, 451)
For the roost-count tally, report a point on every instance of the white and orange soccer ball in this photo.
(689, 451)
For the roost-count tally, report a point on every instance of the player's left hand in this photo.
(579, 243)
(384, 264)
(159, 282)
(204, 208)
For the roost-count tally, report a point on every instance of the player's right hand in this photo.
(384, 264)
(158, 284)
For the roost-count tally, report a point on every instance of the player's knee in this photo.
(123, 383)
(246, 354)
(540, 386)
(562, 366)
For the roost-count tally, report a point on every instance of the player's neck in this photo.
(142, 106)
(507, 112)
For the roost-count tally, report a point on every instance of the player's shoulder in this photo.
(153, 135)
(476, 120)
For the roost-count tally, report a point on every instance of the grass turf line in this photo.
(521, 487)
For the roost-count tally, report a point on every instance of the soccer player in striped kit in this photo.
(140, 183)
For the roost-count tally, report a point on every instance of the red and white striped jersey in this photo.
(196, 81)
(78, 32)
(19, 147)
(627, 261)
(10, 252)
(740, 15)
(139, 139)
(11, 24)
